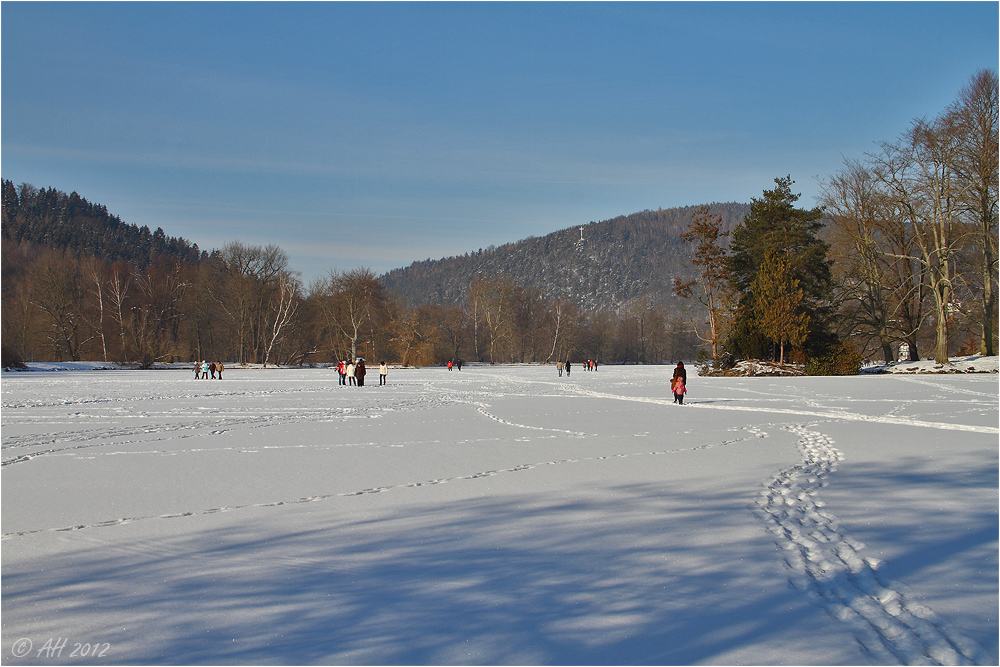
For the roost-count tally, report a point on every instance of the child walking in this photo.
(679, 390)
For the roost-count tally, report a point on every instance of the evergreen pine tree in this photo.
(776, 225)
(777, 303)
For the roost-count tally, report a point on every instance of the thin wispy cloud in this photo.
(469, 124)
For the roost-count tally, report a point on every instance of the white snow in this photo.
(498, 515)
(972, 364)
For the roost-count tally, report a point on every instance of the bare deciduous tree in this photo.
(975, 115)
(713, 276)
(492, 298)
(349, 302)
(58, 293)
(919, 172)
(284, 309)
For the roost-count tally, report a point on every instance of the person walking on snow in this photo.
(197, 370)
(360, 371)
(342, 372)
(219, 369)
(351, 380)
(680, 377)
(383, 370)
(679, 391)
(204, 370)
(680, 371)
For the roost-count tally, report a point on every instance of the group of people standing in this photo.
(353, 373)
(204, 370)
(588, 365)
(678, 383)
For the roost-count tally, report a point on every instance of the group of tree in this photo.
(901, 255)
(243, 304)
(902, 250)
(54, 219)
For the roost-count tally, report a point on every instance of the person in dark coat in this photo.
(680, 372)
(359, 372)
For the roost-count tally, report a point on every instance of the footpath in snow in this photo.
(498, 515)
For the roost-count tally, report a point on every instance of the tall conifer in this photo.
(776, 225)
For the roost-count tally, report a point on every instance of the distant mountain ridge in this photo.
(597, 265)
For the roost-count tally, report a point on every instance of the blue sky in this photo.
(371, 134)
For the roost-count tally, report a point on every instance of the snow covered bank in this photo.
(499, 515)
(68, 366)
(973, 364)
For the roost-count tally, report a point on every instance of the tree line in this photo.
(902, 250)
(244, 304)
(901, 255)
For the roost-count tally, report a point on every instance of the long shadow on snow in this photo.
(943, 515)
(534, 579)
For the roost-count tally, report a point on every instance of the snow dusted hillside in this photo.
(498, 515)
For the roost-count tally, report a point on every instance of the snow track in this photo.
(587, 519)
(825, 562)
(753, 433)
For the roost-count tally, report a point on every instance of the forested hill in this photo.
(612, 262)
(53, 219)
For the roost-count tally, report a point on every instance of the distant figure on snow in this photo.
(351, 379)
(680, 378)
(197, 370)
(204, 370)
(218, 369)
(383, 370)
(567, 368)
(559, 367)
(359, 372)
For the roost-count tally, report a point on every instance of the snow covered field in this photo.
(498, 515)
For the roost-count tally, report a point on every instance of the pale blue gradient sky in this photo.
(375, 134)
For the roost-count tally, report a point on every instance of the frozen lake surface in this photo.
(498, 516)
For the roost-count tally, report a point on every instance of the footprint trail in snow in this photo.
(827, 563)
